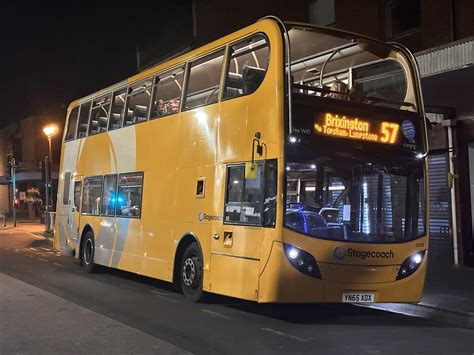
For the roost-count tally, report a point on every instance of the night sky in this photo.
(53, 52)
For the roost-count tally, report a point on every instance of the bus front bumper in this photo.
(280, 282)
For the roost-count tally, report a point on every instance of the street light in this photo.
(49, 130)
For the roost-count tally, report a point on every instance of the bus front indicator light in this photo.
(302, 261)
(411, 264)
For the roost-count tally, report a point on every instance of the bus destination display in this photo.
(330, 124)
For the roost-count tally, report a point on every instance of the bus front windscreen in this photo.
(357, 194)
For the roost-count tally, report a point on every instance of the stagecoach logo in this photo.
(205, 217)
(408, 130)
(339, 253)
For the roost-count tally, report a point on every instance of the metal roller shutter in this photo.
(441, 247)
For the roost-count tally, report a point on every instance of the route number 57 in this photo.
(389, 132)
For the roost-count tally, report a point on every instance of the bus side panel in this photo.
(127, 254)
(234, 276)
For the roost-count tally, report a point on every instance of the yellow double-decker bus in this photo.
(282, 163)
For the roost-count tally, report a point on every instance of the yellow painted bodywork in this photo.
(174, 152)
(281, 282)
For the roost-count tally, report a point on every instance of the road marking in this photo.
(164, 297)
(58, 264)
(34, 249)
(215, 314)
(277, 332)
(42, 259)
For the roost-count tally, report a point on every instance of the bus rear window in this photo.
(83, 120)
(72, 123)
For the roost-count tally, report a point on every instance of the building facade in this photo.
(26, 142)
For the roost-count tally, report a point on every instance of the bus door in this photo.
(75, 211)
(63, 209)
(237, 239)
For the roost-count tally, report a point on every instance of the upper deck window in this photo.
(118, 109)
(167, 93)
(337, 66)
(138, 101)
(72, 124)
(99, 115)
(83, 120)
(246, 66)
(204, 79)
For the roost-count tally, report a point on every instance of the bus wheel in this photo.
(87, 252)
(191, 273)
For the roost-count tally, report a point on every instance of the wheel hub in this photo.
(189, 272)
(88, 249)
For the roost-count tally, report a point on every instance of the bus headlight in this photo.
(411, 264)
(302, 261)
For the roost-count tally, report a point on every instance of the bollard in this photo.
(49, 222)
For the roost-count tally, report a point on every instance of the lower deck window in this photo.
(91, 192)
(129, 195)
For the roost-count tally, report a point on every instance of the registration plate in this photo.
(358, 297)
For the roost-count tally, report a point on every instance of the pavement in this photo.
(448, 295)
(46, 331)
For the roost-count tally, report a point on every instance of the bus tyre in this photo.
(87, 252)
(191, 273)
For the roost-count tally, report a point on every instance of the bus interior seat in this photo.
(139, 113)
(234, 85)
(252, 77)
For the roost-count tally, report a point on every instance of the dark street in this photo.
(161, 320)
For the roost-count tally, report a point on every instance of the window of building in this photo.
(246, 66)
(204, 79)
(72, 124)
(66, 187)
(118, 109)
(400, 16)
(246, 199)
(129, 195)
(83, 120)
(138, 101)
(77, 194)
(167, 93)
(99, 115)
(109, 197)
(91, 192)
